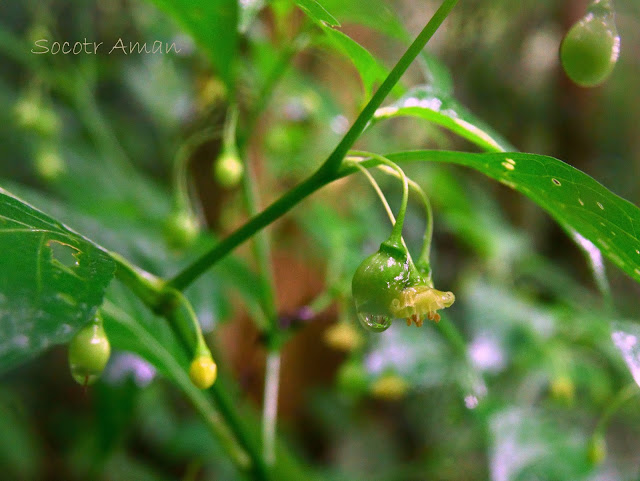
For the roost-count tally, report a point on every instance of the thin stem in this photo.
(425, 252)
(332, 164)
(261, 247)
(327, 172)
(270, 407)
(240, 235)
(396, 233)
(624, 395)
(378, 190)
(181, 165)
(211, 417)
(295, 45)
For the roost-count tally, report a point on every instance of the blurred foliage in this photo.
(542, 355)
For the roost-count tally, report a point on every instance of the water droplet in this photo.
(508, 166)
(556, 182)
(637, 251)
(600, 205)
(373, 322)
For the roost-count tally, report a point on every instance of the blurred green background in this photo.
(92, 141)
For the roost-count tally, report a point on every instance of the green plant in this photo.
(524, 341)
(591, 47)
(89, 352)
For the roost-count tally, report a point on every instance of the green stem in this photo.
(211, 417)
(425, 252)
(332, 164)
(261, 247)
(295, 45)
(624, 395)
(396, 233)
(256, 223)
(327, 172)
(181, 166)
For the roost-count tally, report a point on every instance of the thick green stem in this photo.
(334, 161)
(328, 170)
(260, 221)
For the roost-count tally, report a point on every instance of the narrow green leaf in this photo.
(51, 280)
(578, 202)
(317, 13)
(431, 104)
(374, 14)
(213, 26)
(370, 70)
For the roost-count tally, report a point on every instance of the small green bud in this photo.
(181, 229)
(89, 352)
(48, 164)
(228, 169)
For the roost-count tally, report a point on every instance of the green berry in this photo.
(228, 169)
(387, 285)
(181, 229)
(590, 49)
(48, 164)
(379, 280)
(89, 352)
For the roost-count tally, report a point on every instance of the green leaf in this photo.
(317, 13)
(213, 26)
(370, 70)
(52, 279)
(374, 14)
(578, 202)
(431, 104)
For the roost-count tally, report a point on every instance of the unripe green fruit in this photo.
(31, 114)
(379, 280)
(228, 169)
(89, 352)
(181, 229)
(590, 49)
(48, 164)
